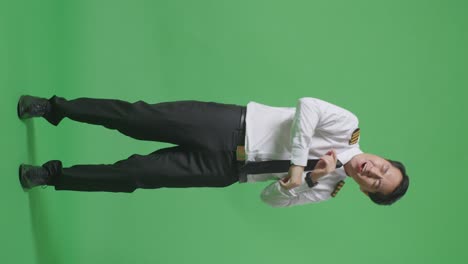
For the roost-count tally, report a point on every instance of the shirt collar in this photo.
(347, 155)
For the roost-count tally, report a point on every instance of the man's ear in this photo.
(365, 192)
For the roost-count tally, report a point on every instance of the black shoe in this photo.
(31, 176)
(32, 106)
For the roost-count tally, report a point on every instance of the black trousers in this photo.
(206, 135)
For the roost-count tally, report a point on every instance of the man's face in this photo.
(373, 173)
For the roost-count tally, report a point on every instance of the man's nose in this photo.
(375, 173)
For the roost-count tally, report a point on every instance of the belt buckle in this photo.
(240, 153)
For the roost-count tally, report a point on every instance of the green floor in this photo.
(400, 66)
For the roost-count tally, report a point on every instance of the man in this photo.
(308, 150)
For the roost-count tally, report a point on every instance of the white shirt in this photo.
(305, 132)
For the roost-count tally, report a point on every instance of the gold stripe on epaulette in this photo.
(355, 136)
(338, 187)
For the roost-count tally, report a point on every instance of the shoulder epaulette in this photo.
(355, 136)
(338, 187)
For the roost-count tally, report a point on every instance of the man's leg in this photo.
(193, 124)
(171, 167)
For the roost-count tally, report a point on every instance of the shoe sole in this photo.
(19, 110)
(21, 179)
(24, 103)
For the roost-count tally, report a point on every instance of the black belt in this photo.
(241, 134)
(240, 145)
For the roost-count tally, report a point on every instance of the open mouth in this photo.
(363, 166)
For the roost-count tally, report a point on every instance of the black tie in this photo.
(276, 166)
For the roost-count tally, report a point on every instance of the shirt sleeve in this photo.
(277, 196)
(313, 115)
(305, 121)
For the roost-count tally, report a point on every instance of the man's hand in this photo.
(294, 177)
(325, 165)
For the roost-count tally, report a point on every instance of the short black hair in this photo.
(400, 190)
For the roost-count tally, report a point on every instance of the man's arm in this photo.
(312, 115)
(305, 121)
(282, 194)
(277, 196)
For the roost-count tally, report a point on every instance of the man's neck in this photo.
(347, 168)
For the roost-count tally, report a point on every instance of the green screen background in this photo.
(400, 66)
